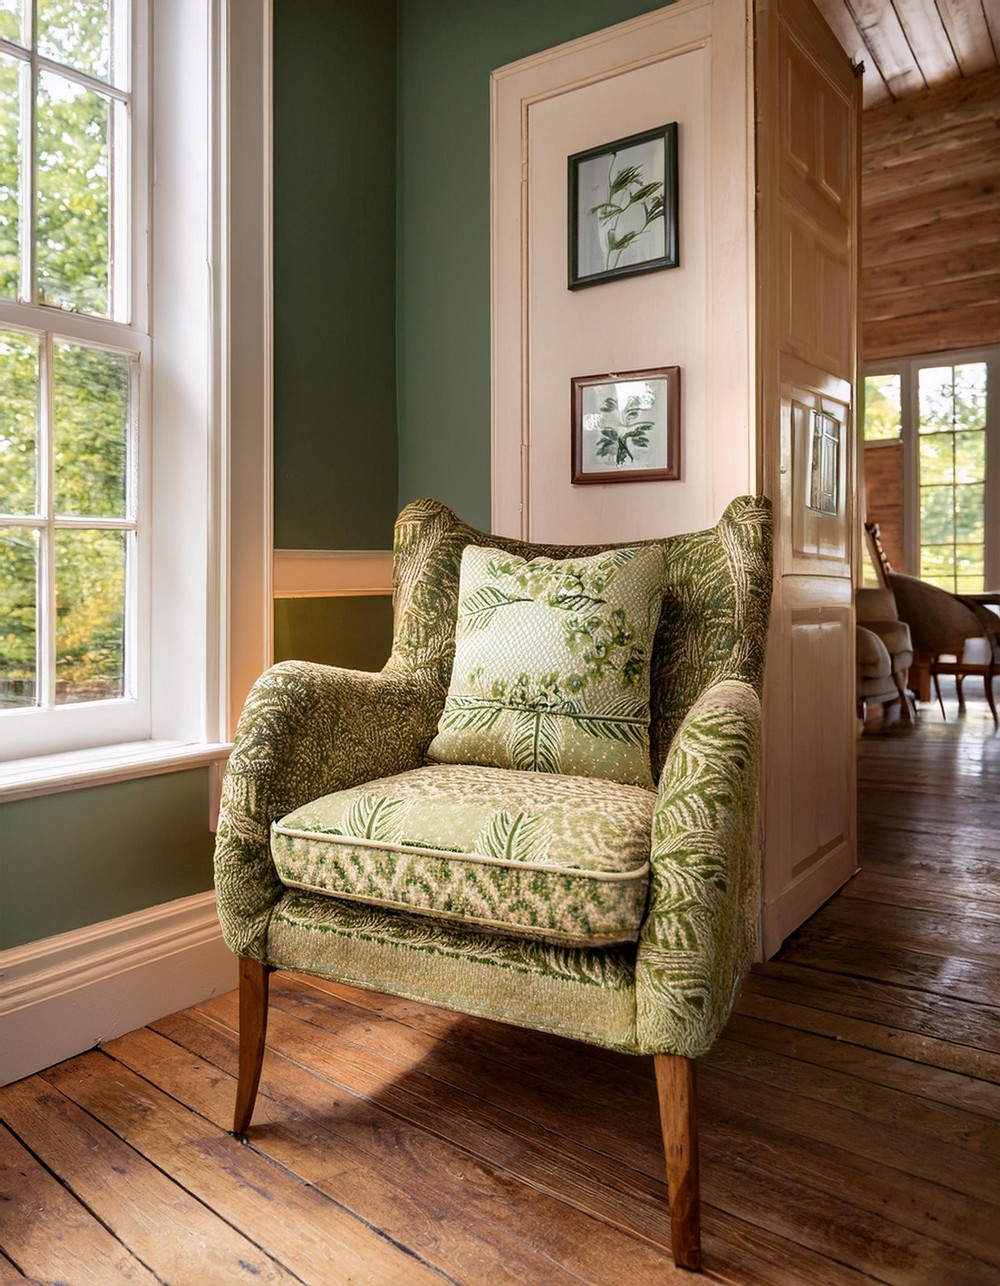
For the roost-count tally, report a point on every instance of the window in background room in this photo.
(952, 470)
(74, 356)
(941, 414)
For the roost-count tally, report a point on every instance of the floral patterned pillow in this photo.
(552, 661)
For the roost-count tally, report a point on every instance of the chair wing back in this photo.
(939, 622)
(713, 625)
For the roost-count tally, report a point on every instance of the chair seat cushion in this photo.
(540, 855)
(896, 637)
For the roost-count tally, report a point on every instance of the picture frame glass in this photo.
(620, 214)
(824, 464)
(624, 426)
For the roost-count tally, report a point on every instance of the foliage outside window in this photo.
(70, 357)
(883, 407)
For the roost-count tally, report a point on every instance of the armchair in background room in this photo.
(430, 832)
(884, 651)
(951, 635)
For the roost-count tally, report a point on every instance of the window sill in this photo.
(78, 769)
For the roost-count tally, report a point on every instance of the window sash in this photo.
(48, 726)
(909, 371)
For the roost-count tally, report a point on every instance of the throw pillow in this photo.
(552, 662)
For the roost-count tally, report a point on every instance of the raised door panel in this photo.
(814, 120)
(808, 777)
(815, 293)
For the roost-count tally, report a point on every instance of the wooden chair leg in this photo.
(905, 713)
(990, 673)
(254, 978)
(959, 680)
(937, 689)
(678, 1123)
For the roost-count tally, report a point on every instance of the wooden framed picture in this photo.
(623, 208)
(627, 427)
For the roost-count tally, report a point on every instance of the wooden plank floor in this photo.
(850, 1116)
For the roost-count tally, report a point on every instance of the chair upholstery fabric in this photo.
(876, 611)
(308, 731)
(570, 865)
(874, 661)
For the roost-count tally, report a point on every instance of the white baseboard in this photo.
(66, 994)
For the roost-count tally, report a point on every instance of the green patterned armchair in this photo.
(344, 852)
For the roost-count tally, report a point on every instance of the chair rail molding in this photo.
(331, 573)
(65, 994)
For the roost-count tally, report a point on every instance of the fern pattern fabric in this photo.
(568, 864)
(309, 730)
(552, 660)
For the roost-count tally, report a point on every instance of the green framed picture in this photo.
(623, 208)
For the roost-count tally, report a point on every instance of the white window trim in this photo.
(214, 649)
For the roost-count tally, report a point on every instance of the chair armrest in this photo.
(939, 622)
(895, 637)
(306, 730)
(700, 930)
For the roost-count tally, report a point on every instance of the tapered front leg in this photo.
(678, 1123)
(254, 978)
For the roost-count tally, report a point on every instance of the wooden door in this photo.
(808, 114)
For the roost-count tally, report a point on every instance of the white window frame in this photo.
(48, 727)
(908, 369)
(209, 512)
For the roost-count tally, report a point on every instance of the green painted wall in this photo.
(381, 245)
(88, 855)
(445, 53)
(355, 633)
(334, 274)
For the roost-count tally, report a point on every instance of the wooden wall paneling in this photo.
(936, 332)
(930, 270)
(949, 107)
(931, 221)
(950, 295)
(917, 170)
(934, 206)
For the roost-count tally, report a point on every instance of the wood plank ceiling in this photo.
(909, 46)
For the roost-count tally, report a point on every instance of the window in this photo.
(74, 364)
(952, 472)
(135, 510)
(944, 411)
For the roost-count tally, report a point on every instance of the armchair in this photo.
(665, 987)
(882, 661)
(944, 626)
